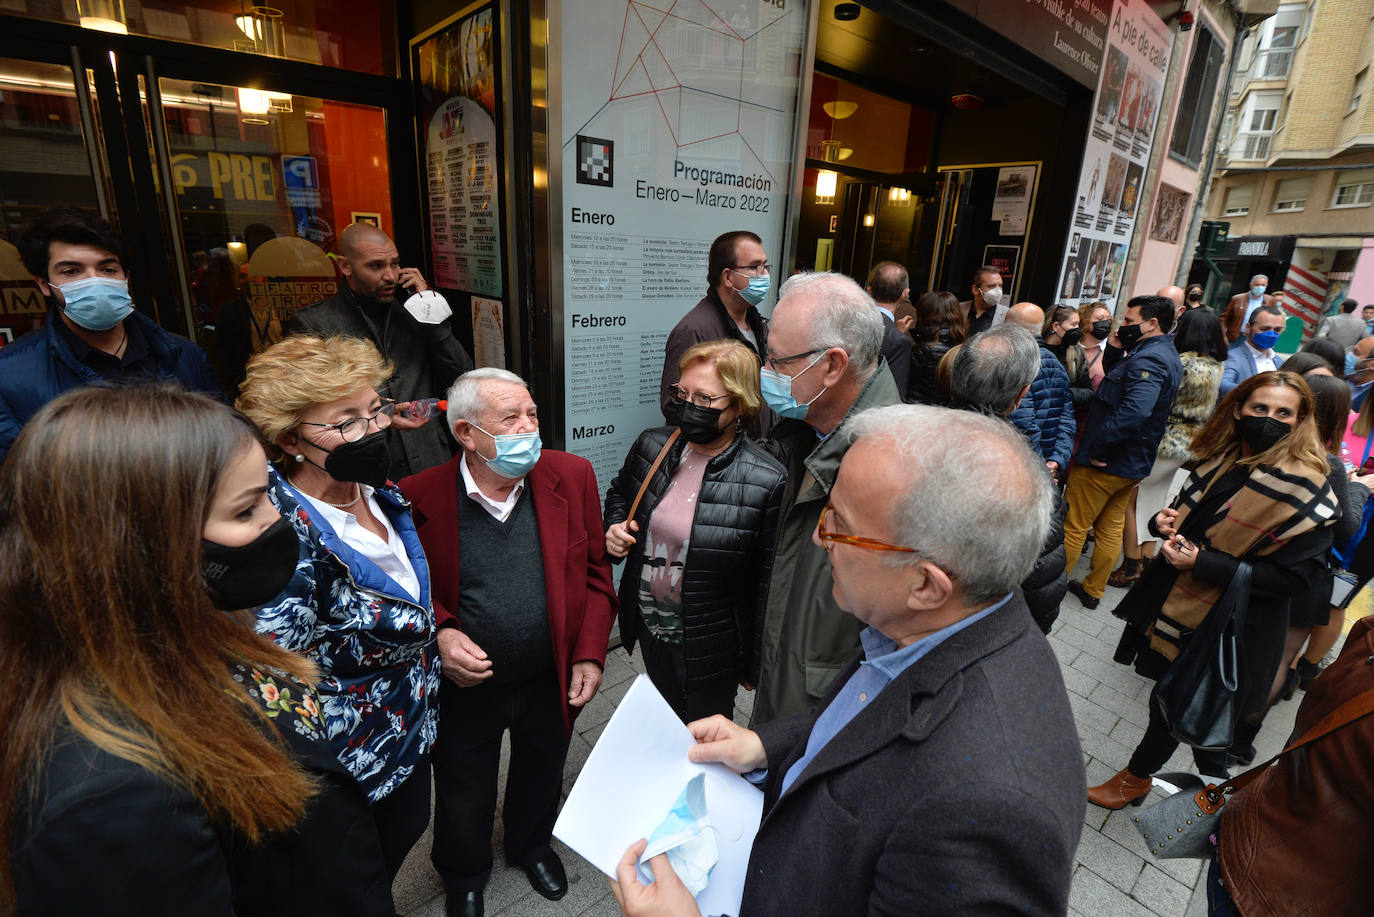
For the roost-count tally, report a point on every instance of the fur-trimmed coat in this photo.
(1194, 403)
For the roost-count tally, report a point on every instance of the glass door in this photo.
(44, 162)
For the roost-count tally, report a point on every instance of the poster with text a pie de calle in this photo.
(676, 126)
(1120, 133)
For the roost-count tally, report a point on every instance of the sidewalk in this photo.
(1114, 876)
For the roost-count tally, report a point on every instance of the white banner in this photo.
(1110, 185)
(677, 125)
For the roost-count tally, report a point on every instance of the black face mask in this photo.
(253, 574)
(699, 425)
(1261, 433)
(365, 461)
(1129, 335)
(1103, 329)
(1071, 337)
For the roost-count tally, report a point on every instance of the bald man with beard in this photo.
(425, 354)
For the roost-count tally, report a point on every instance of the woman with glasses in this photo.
(699, 545)
(358, 605)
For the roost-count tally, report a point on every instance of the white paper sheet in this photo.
(632, 778)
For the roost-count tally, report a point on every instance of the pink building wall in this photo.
(1362, 284)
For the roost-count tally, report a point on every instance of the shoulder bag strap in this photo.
(1358, 706)
(658, 463)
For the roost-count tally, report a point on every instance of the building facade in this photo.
(1296, 178)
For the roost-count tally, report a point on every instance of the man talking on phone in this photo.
(394, 308)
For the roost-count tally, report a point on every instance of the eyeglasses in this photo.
(774, 362)
(700, 399)
(355, 428)
(765, 267)
(830, 538)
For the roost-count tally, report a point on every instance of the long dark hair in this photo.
(105, 625)
(939, 308)
(1199, 331)
(1332, 412)
(1328, 350)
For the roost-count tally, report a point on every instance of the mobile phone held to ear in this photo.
(405, 293)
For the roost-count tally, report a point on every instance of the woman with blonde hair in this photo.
(158, 757)
(1258, 496)
(1096, 321)
(698, 537)
(359, 603)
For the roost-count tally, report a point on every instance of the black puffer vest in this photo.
(729, 557)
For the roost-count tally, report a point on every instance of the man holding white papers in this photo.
(942, 774)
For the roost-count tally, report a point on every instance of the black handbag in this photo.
(1196, 697)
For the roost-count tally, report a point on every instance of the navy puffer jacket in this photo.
(1053, 405)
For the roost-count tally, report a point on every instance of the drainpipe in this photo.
(1205, 185)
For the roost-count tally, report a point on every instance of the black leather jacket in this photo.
(729, 557)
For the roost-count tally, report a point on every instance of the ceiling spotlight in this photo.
(847, 12)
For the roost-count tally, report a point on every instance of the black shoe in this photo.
(1290, 685)
(1240, 757)
(1081, 594)
(1308, 672)
(547, 876)
(463, 904)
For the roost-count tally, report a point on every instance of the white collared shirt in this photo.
(500, 509)
(390, 555)
(1264, 359)
(886, 311)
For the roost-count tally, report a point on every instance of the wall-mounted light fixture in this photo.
(102, 15)
(826, 182)
(840, 108)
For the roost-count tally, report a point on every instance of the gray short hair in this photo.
(844, 316)
(986, 538)
(994, 367)
(465, 395)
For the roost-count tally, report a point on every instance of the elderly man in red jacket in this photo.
(524, 601)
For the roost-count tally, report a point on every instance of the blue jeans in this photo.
(1219, 903)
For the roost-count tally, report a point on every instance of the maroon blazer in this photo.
(577, 574)
(1233, 317)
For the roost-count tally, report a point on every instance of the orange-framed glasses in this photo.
(829, 538)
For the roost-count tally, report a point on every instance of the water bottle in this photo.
(425, 408)
(1345, 458)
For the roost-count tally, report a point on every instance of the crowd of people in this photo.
(241, 644)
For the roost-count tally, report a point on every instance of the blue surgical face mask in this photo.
(516, 453)
(687, 837)
(1263, 340)
(96, 303)
(1258, 290)
(757, 289)
(777, 392)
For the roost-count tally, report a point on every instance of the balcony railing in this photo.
(1272, 64)
(1252, 145)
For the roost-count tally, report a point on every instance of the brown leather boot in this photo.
(1125, 788)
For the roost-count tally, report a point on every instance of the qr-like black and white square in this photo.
(595, 161)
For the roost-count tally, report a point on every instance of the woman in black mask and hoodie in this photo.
(699, 536)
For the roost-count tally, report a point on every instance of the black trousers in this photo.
(1158, 746)
(467, 759)
(401, 817)
(667, 669)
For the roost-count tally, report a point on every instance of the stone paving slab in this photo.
(1114, 874)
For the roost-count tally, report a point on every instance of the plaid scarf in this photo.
(1276, 504)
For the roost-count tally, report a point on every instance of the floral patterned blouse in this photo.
(373, 643)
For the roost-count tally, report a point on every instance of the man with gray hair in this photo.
(992, 375)
(942, 773)
(1236, 317)
(524, 601)
(821, 368)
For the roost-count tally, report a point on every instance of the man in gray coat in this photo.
(943, 774)
(822, 368)
(416, 339)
